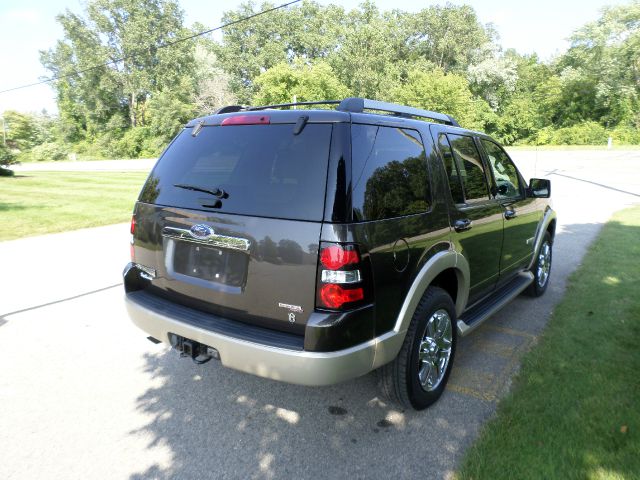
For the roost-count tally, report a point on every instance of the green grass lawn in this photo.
(573, 147)
(42, 202)
(574, 410)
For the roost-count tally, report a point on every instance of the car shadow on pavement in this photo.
(219, 423)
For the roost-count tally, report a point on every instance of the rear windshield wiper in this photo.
(218, 192)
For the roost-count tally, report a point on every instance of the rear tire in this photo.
(418, 375)
(541, 268)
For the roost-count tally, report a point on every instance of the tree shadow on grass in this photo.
(9, 207)
(15, 175)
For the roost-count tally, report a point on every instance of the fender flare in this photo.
(437, 264)
(389, 344)
(543, 225)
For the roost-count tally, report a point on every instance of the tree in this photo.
(7, 158)
(601, 70)
(450, 37)
(306, 82)
(212, 83)
(130, 34)
(27, 130)
(449, 93)
(493, 79)
(248, 49)
(167, 112)
(368, 50)
(367, 61)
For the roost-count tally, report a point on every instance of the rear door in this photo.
(230, 221)
(394, 214)
(477, 219)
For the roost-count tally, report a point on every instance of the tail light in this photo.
(132, 229)
(342, 277)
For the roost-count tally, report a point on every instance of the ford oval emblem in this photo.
(201, 231)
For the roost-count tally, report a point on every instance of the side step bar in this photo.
(476, 315)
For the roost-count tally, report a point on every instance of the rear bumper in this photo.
(292, 366)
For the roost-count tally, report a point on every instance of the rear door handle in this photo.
(462, 225)
(509, 214)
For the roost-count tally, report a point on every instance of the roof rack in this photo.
(356, 105)
(280, 105)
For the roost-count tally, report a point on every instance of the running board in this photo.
(476, 315)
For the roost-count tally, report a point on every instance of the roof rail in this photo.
(358, 105)
(355, 105)
(280, 105)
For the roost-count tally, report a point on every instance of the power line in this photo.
(156, 47)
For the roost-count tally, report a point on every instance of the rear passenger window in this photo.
(470, 167)
(389, 171)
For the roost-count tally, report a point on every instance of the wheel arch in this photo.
(448, 270)
(551, 228)
(441, 268)
(547, 224)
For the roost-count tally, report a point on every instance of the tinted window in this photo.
(470, 167)
(504, 171)
(265, 169)
(390, 176)
(452, 171)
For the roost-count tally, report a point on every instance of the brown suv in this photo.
(314, 246)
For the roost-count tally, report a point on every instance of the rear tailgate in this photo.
(254, 269)
(241, 241)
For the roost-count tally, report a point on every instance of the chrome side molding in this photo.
(213, 240)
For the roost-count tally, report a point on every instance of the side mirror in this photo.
(539, 188)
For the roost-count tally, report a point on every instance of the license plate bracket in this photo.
(213, 264)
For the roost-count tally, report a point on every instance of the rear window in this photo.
(390, 173)
(266, 170)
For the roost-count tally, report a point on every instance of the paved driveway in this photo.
(84, 395)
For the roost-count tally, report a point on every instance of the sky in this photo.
(27, 26)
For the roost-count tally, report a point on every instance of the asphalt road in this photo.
(84, 395)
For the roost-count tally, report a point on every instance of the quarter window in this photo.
(389, 171)
(470, 168)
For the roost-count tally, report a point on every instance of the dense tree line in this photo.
(440, 58)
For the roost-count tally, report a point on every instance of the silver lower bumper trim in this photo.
(292, 366)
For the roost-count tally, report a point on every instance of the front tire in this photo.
(541, 268)
(418, 375)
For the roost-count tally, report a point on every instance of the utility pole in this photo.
(4, 132)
